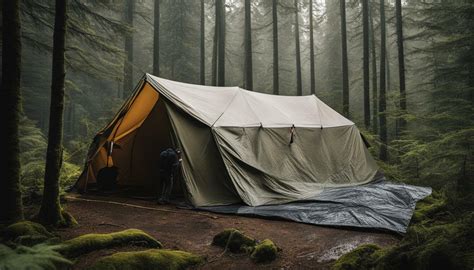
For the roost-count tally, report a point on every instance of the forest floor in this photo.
(303, 246)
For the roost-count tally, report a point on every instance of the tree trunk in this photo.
(401, 65)
(365, 23)
(375, 123)
(387, 71)
(214, 46)
(345, 68)
(128, 65)
(202, 66)
(382, 99)
(11, 209)
(311, 49)
(50, 211)
(299, 85)
(156, 39)
(220, 24)
(276, 79)
(248, 74)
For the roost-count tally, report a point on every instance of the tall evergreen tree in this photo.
(401, 64)
(128, 65)
(214, 44)
(331, 55)
(299, 84)
(311, 49)
(382, 98)
(156, 39)
(276, 79)
(50, 211)
(248, 69)
(220, 24)
(373, 58)
(365, 26)
(202, 59)
(345, 67)
(11, 206)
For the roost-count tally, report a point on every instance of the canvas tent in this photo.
(237, 145)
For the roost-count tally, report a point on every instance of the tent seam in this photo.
(227, 107)
(246, 101)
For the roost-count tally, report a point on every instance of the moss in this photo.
(440, 246)
(234, 240)
(428, 208)
(26, 233)
(148, 259)
(265, 251)
(68, 219)
(360, 258)
(90, 242)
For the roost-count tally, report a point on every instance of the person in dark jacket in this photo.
(170, 159)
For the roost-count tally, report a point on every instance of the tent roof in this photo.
(237, 107)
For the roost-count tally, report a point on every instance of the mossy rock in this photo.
(234, 240)
(26, 233)
(266, 251)
(90, 242)
(363, 257)
(148, 259)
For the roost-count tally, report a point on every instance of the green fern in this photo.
(38, 257)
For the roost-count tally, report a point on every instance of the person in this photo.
(169, 163)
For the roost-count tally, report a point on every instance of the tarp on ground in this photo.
(380, 204)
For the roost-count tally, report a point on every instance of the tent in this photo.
(238, 145)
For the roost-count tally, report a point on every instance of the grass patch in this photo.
(265, 251)
(148, 259)
(234, 240)
(90, 242)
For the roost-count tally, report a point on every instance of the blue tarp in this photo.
(380, 205)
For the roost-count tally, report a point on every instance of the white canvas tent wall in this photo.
(236, 143)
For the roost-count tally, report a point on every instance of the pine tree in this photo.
(299, 84)
(11, 209)
(401, 65)
(365, 24)
(276, 79)
(382, 98)
(248, 69)
(373, 58)
(202, 59)
(345, 68)
(220, 42)
(50, 211)
(128, 65)
(311, 49)
(156, 39)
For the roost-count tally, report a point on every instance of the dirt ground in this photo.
(303, 246)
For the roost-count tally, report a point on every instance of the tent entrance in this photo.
(139, 137)
(146, 143)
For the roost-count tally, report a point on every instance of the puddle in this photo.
(335, 252)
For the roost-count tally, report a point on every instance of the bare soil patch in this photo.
(304, 246)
